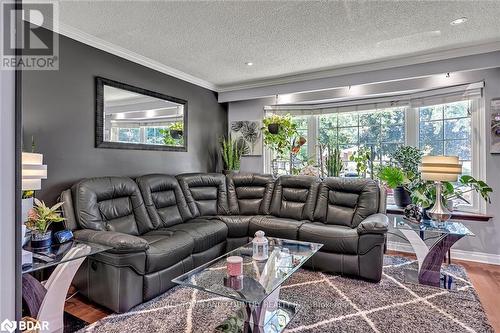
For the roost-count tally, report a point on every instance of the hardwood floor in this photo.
(484, 277)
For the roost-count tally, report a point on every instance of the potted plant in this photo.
(40, 218)
(176, 130)
(407, 158)
(273, 123)
(424, 192)
(396, 179)
(279, 141)
(333, 161)
(362, 158)
(231, 152)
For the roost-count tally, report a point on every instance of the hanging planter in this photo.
(176, 134)
(273, 128)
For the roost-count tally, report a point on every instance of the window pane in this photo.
(388, 149)
(393, 134)
(393, 117)
(129, 135)
(457, 129)
(347, 119)
(460, 148)
(369, 119)
(466, 168)
(456, 110)
(369, 135)
(328, 129)
(431, 113)
(431, 131)
(348, 135)
(432, 147)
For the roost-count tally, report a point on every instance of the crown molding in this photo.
(367, 66)
(83, 37)
(119, 51)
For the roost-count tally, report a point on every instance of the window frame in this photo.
(412, 127)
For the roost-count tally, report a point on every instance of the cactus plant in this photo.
(334, 163)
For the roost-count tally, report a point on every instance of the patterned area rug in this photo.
(328, 304)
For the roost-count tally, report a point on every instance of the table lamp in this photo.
(440, 169)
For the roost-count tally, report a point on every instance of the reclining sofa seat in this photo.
(177, 205)
(347, 222)
(249, 196)
(292, 205)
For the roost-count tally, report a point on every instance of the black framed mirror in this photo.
(129, 117)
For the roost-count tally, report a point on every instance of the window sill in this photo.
(456, 215)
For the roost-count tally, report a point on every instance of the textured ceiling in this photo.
(213, 40)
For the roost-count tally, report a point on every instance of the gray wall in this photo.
(487, 239)
(58, 110)
(7, 197)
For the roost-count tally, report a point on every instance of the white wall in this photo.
(487, 239)
(7, 191)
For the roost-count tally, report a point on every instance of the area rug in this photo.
(328, 303)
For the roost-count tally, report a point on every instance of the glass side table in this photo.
(45, 300)
(430, 258)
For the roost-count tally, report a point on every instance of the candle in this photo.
(234, 265)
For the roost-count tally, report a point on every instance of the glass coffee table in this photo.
(430, 257)
(258, 287)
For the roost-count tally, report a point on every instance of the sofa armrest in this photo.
(120, 242)
(374, 224)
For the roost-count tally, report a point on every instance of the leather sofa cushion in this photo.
(346, 202)
(275, 226)
(166, 249)
(294, 197)
(164, 200)
(237, 225)
(205, 193)
(205, 233)
(335, 238)
(249, 194)
(110, 203)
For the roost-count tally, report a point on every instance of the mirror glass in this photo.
(134, 119)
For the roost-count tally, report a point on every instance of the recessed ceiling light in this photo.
(249, 63)
(459, 21)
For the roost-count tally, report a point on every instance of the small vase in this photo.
(273, 128)
(41, 240)
(176, 134)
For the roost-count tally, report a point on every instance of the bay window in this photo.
(442, 122)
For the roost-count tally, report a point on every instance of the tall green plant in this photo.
(334, 163)
(281, 142)
(231, 153)
(408, 158)
(362, 158)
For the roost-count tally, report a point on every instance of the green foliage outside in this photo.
(362, 158)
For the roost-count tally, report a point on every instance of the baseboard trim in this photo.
(485, 258)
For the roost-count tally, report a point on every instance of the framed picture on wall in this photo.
(495, 126)
(249, 134)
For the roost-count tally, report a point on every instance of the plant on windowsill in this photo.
(407, 158)
(423, 193)
(40, 218)
(333, 161)
(176, 130)
(363, 160)
(231, 152)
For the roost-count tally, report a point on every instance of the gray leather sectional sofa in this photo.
(162, 226)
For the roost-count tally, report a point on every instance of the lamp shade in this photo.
(440, 168)
(33, 171)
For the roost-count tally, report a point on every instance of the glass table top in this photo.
(259, 278)
(60, 253)
(450, 227)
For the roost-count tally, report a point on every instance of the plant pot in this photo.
(41, 240)
(401, 197)
(26, 205)
(273, 128)
(176, 134)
